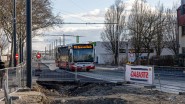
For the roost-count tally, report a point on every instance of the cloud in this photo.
(90, 32)
(95, 15)
(87, 35)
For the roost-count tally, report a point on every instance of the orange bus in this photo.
(75, 57)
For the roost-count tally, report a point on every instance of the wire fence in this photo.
(167, 79)
(170, 79)
(13, 79)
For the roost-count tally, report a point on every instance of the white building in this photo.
(102, 56)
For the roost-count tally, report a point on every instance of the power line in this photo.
(64, 35)
(77, 5)
(84, 23)
(73, 16)
(74, 3)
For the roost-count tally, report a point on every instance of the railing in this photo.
(14, 78)
(170, 78)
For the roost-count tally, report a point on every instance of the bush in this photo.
(167, 60)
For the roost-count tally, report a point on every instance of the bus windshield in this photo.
(83, 55)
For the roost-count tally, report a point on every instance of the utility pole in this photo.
(56, 42)
(63, 40)
(77, 39)
(127, 51)
(14, 33)
(45, 52)
(60, 41)
(53, 48)
(117, 38)
(49, 50)
(20, 49)
(29, 42)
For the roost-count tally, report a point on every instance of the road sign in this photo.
(38, 55)
(16, 56)
(131, 57)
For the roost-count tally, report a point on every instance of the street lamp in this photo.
(126, 51)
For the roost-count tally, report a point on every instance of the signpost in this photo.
(140, 74)
(131, 57)
(16, 57)
(38, 55)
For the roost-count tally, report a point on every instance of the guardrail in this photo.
(14, 78)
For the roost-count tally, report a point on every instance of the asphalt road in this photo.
(166, 81)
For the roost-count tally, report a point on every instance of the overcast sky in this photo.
(84, 11)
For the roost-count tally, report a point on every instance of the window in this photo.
(83, 55)
(183, 30)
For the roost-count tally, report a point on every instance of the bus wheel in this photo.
(87, 70)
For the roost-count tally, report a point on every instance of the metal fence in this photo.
(13, 79)
(167, 79)
(170, 79)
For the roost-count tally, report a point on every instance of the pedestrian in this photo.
(2, 73)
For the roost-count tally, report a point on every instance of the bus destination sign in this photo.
(88, 46)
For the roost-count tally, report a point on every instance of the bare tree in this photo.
(3, 42)
(171, 30)
(156, 31)
(144, 25)
(136, 25)
(161, 22)
(113, 33)
(42, 17)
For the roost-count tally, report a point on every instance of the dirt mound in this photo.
(89, 93)
(92, 101)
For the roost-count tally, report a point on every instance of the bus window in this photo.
(83, 55)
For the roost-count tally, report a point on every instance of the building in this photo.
(181, 27)
(102, 56)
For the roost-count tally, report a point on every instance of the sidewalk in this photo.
(109, 67)
(16, 93)
(1, 97)
(51, 65)
(48, 61)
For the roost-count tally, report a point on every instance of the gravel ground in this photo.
(89, 93)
